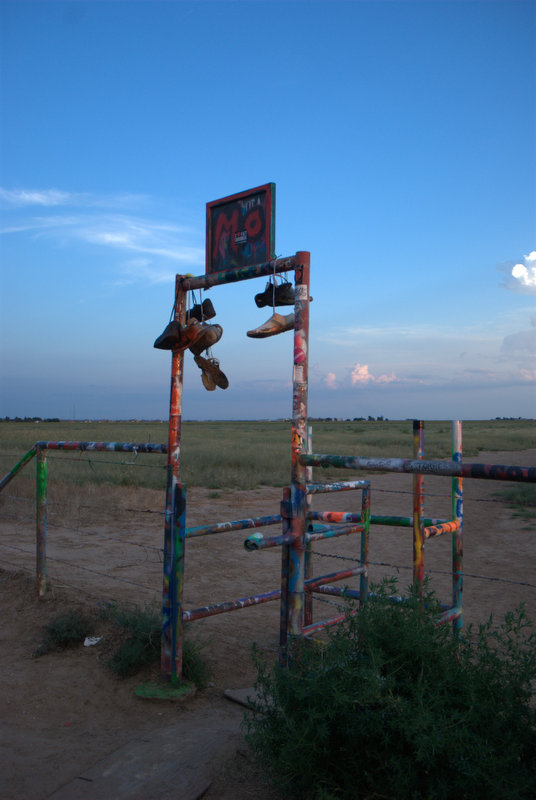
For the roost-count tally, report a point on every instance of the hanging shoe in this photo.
(208, 381)
(177, 339)
(211, 373)
(209, 335)
(274, 295)
(170, 338)
(276, 324)
(202, 311)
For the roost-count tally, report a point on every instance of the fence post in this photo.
(418, 503)
(308, 607)
(41, 521)
(298, 488)
(175, 517)
(365, 521)
(457, 536)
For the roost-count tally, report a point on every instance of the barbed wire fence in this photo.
(132, 564)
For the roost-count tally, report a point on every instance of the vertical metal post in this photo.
(175, 518)
(365, 521)
(285, 560)
(41, 521)
(299, 446)
(418, 506)
(457, 536)
(308, 608)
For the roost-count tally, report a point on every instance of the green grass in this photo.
(239, 455)
(521, 498)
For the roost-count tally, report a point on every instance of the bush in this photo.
(64, 631)
(142, 628)
(395, 708)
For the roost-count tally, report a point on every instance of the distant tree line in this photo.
(348, 419)
(31, 419)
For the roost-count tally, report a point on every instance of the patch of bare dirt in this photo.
(63, 712)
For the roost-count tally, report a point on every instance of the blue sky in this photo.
(400, 137)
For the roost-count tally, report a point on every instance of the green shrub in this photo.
(140, 647)
(63, 631)
(394, 707)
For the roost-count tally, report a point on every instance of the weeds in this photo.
(139, 629)
(394, 707)
(65, 630)
(140, 647)
(521, 498)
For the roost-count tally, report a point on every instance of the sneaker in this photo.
(208, 336)
(274, 295)
(202, 312)
(211, 373)
(276, 324)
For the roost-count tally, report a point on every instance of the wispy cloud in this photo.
(26, 198)
(18, 198)
(155, 247)
(522, 341)
(521, 275)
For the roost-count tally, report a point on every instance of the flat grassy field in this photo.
(239, 455)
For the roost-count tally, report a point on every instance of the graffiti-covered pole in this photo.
(418, 506)
(457, 535)
(298, 489)
(175, 518)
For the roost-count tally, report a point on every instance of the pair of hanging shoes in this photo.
(211, 374)
(276, 295)
(198, 336)
(201, 311)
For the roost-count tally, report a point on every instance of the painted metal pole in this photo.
(41, 522)
(111, 447)
(18, 466)
(175, 518)
(286, 529)
(299, 445)
(335, 486)
(457, 536)
(365, 521)
(491, 472)
(418, 506)
(234, 525)
(308, 605)
(242, 273)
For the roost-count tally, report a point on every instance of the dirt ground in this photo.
(64, 712)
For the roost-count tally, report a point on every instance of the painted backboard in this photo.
(241, 229)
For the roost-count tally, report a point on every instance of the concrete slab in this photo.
(178, 761)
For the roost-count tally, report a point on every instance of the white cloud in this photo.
(360, 374)
(521, 276)
(331, 380)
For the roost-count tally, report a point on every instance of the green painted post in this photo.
(41, 521)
